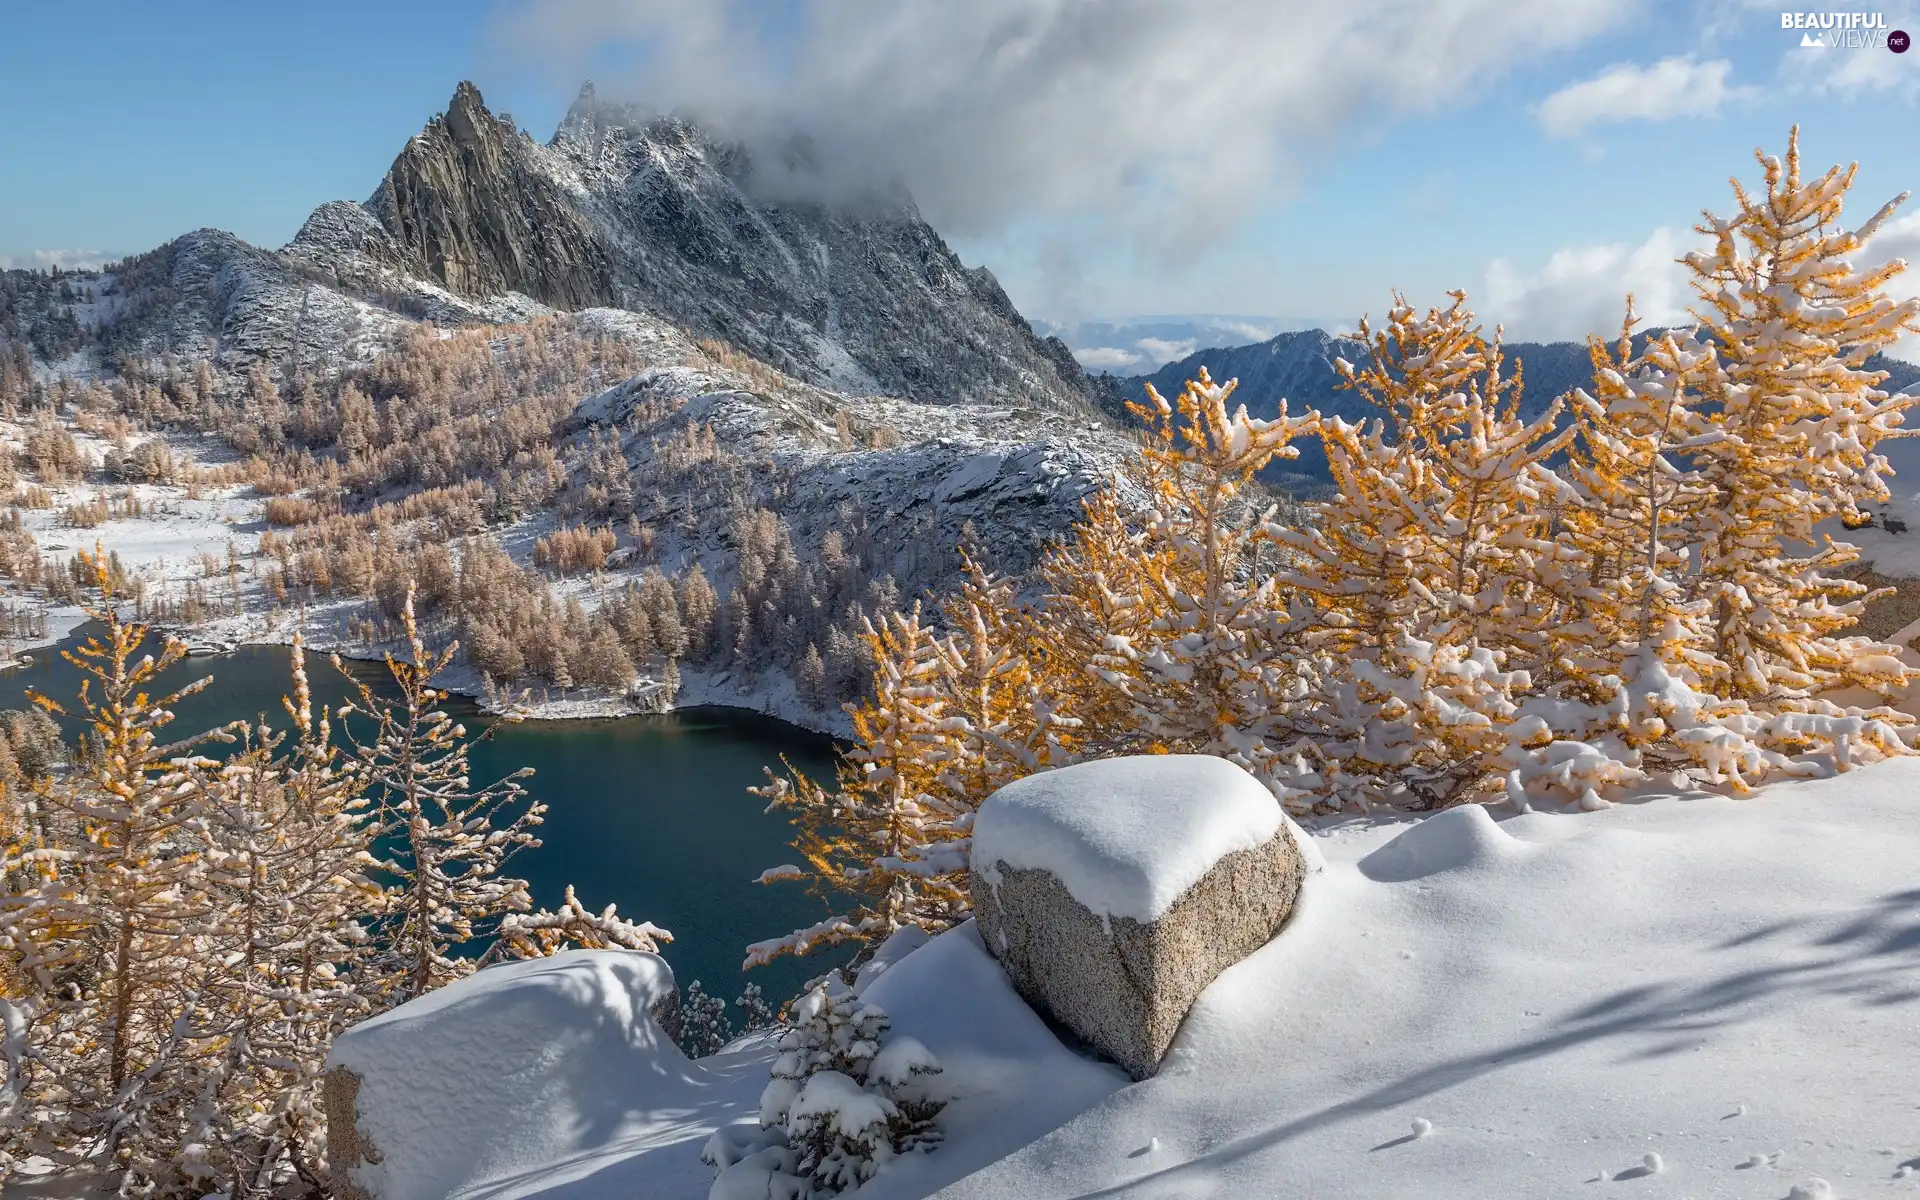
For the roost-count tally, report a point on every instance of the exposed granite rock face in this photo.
(1888, 615)
(347, 1147)
(1122, 985)
(1114, 891)
(470, 203)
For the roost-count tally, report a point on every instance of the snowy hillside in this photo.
(1691, 995)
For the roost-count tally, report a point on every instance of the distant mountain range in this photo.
(1298, 366)
(1136, 345)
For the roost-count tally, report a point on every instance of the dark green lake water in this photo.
(649, 813)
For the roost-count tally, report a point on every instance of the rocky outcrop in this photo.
(348, 1149)
(470, 204)
(1114, 892)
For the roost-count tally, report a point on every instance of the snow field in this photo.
(1709, 996)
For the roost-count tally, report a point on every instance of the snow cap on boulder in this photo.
(1114, 891)
(437, 1094)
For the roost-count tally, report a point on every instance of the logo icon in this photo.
(1812, 39)
(1898, 41)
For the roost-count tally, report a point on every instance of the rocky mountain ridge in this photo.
(627, 209)
(476, 221)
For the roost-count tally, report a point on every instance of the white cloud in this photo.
(1583, 289)
(66, 260)
(1163, 351)
(1899, 238)
(1108, 358)
(1248, 333)
(1147, 354)
(1162, 118)
(1673, 87)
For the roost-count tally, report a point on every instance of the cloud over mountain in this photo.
(997, 110)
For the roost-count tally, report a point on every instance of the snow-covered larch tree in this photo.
(1001, 716)
(449, 839)
(1181, 643)
(856, 839)
(1794, 420)
(289, 848)
(114, 1027)
(1433, 565)
(1639, 498)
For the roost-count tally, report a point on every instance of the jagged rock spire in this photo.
(471, 206)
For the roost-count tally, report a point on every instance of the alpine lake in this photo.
(650, 813)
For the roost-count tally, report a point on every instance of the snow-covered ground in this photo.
(1683, 996)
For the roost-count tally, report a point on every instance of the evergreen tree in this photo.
(845, 1096)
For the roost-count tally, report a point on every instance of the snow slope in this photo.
(1731, 986)
(1684, 996)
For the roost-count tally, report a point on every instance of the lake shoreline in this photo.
(772, 697)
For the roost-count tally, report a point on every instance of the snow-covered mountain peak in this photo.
(629, 209)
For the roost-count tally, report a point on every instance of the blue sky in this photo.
(1292, 159)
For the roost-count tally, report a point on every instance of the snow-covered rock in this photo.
(523, 1064)
(1115, 891)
